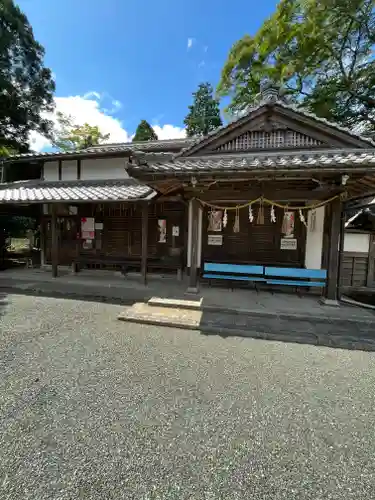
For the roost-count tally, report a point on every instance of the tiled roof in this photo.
(290, 107)
(154, 145)
(265, 161)
(107, 149)
(78, 152)
(74, 191)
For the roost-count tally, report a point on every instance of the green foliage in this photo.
(13, 226)
(145, 132)
(69, 137)
(6, 151)
(26, 86)
(204, 113)
(321, 51)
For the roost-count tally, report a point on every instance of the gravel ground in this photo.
(94, 408)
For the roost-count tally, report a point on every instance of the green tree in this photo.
(145, 132)
(69, 136)
(26, 86)
(204, 113)
(321, 51)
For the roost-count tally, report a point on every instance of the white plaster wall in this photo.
(314, 240)
(51, 171)
(356, 242)
(69, 170)
(103, 168)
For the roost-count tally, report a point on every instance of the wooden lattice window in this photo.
(260, 139)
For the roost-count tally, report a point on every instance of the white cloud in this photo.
(190, 43)
(88, 109)
(92, 93)
(169, 132)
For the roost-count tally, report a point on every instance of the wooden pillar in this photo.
(341, 252)
(330, 297)
(194, 241)
(55, 241)
(144, 242)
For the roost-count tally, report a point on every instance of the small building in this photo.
(269, 189)
(358, 261)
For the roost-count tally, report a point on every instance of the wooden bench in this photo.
(126, 263)
(83, 261)
(233, 272)
(296, 277)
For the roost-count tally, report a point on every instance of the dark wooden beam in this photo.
(341, 251)
(276, 195)
(193, 274)
(60, 170)
(144, 242)
(333, 253)
(55, 241)
(78, 168)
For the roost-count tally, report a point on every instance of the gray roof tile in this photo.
(74, 191)
(125, 147)
(284, 160)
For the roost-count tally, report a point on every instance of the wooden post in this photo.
(55, 242)
(193, 275)
(144, 242)
(341, 252)
(330, 297)
(76, 267)
(371, 262)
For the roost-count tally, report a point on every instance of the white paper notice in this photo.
(87, 224)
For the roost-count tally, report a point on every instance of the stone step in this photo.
(163, 316)
(194, 305)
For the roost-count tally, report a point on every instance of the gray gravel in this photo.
(94, 408)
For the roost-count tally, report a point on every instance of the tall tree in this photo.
(26, 86)
(321, 51)
(145, 132)
(204, 113)
(69, 136)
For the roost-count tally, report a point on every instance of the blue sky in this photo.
(120, 61)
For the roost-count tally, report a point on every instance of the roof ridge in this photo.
(285, 105)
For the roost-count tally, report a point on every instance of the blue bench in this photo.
(295, 277)
(233, 272)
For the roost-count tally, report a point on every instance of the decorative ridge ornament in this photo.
(270, 91)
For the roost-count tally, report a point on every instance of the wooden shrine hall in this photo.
(260, 200)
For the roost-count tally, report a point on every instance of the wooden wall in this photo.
(255, 243)
(354, 269)
(122, 232)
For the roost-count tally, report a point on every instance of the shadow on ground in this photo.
(72, 296)
(3, 302)
(337, 333)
